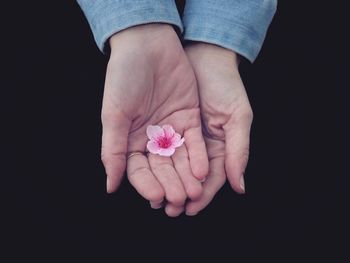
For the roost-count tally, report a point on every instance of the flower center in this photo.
(164, 142)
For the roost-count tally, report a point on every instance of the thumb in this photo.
(237, 150)
(114, 145)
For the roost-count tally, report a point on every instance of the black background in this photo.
(297, 178)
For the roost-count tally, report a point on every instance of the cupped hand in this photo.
(149, 81)
(226, 116)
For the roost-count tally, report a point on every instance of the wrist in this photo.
(213, 53)
(141, 35)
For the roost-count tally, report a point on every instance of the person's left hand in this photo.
(227, 117)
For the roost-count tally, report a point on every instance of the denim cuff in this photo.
(238, 25)
(107, 17)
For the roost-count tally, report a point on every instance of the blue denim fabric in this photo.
(238, 25)
(107, 17)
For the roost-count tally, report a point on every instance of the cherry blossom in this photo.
(163, 140)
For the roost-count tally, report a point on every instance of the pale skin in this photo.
(152, 80)
(227, 117)
(149, 81)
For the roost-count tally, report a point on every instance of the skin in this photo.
(226, 115)
(150, 81)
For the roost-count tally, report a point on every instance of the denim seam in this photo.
(210, 35)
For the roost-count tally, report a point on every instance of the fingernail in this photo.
(191, 213)
(108, 185)
(241, 183)
(156, 205)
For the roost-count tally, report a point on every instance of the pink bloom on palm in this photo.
(163, 140)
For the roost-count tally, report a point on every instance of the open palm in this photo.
(149, 81)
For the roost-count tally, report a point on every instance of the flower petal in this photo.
(154, 131)
(177, 141)
(153, 147)
(166, 151)
(168, 130)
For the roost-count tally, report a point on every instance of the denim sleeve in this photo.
(238, 25)
(107, 17)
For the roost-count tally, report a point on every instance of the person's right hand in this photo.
(149, 81)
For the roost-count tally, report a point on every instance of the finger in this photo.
(215, 180)
(163, 169)
(114, 145)
(157, 205)
(197, 152)
(191, 184)
(173, 211)
(237, 151)
(142, 179)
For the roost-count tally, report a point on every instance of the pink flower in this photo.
(163, 140)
